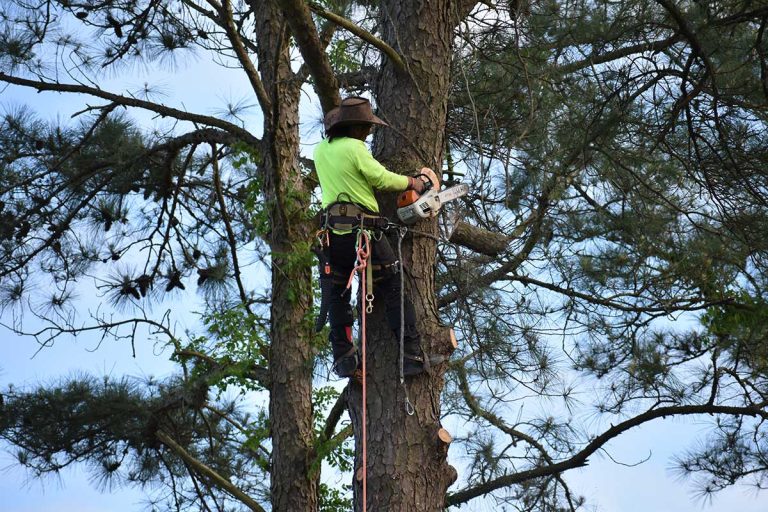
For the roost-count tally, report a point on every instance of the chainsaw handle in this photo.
(410, 196)
(418, 185)
(427, 183)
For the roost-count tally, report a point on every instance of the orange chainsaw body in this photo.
(407, 198)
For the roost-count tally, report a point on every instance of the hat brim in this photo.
(373, 120)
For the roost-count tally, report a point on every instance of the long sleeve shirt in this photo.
(348, 172)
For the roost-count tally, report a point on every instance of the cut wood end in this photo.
(444, 436)
(359, 475)
(454, 343)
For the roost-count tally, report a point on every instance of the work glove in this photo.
(418, 183)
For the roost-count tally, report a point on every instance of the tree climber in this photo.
(348, 175)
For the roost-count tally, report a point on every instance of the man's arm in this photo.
(377, 175)
(380, 178)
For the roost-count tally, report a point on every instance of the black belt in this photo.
(349, 216)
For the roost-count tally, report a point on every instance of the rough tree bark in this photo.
(407, 468)
(293, 488)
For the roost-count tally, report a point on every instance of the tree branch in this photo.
(581, 458)
(494, 420)
(618, 53)
(127, 101)
(515, 434)
(691, 304)
(479, 240)
(210, 474)
(228, 226)
(312, 50)
(465, 7)
(550, 194)
(335, 415)
(200, 136)
(255, 372)
(535, 219)
(691, 36)
(361, 33)
(58, 230)
(242, 57)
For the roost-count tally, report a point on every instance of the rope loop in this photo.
(323, 237)
(363, 251)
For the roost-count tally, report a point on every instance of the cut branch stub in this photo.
(445, 342)
(479, 240)
(453, 475)
(444, 436)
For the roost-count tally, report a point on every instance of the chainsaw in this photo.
(412, 207)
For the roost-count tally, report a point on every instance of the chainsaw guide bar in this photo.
(429, 203)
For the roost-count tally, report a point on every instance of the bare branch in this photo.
(361, 33)
(688, 304)
(208, 473)
(312, 50)
(479, 240)
(228, 225)
(164, 111)
(242, 56)
(582, 457)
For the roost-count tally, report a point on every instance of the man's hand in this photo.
(419, 182)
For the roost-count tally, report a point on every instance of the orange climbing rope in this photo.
(362, 266)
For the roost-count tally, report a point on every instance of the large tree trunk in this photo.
(407, 468)
(291, 358)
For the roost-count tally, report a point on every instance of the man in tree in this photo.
(348, 175)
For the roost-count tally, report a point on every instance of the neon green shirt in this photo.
(348, 172)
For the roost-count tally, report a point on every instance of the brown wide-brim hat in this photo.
(353, 110)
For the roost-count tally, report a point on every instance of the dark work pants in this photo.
(386, 290)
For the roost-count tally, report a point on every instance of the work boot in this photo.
(346, 365)
(412, 365)
(345, 358)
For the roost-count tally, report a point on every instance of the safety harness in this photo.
(351, 217)
(342, 217)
